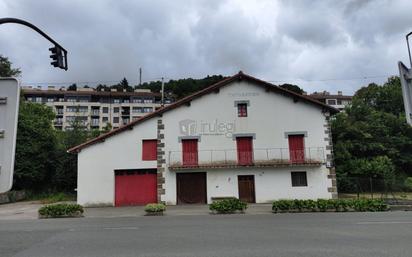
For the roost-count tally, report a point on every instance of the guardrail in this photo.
(258, 157)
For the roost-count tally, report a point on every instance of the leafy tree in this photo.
(5, 68)
(35, 147)
(293, 88)
(371, 137)
(72, 87)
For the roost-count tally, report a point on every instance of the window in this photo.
(242, 109)
(147, 109)
(105, 119)
(189, 147)
(149, 150)
(137, 110)
(115, 119)
(39, 99)
(116, 109)
(299, 179)
(331, 101)
(50, 100)
(244, 150)
(105, 109)
(296, 148)
(116, 101)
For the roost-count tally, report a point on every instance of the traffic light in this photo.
(57, 57)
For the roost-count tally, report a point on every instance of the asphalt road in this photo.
(308, 234)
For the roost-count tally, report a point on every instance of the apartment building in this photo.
(338, 101)
(94, 109)
(241, 137)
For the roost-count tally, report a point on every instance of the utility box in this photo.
(9, 108)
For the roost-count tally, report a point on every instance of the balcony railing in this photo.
(260, 157)
(95, 112)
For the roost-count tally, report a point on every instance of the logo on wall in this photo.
(190, 127)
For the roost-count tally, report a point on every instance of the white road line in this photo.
(122, 228)
(383, 222)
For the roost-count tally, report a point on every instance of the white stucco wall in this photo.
(270, 115)
(97, 163)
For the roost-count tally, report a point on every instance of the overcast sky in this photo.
(319, 45)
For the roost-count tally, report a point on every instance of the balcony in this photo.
(95, 112)
(260, 157)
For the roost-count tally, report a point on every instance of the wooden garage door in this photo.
(135, 187)
(191, 188)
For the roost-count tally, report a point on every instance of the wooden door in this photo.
(297, 148)
(244, 150)
(191, 188)
(247, 188)
(189, 147)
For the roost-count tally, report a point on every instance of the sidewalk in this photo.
(28, 210)
(172, 210)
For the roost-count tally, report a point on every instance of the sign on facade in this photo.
(9, 106)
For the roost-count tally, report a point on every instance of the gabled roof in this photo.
(213, 88)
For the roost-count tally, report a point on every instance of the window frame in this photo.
(297, 181)
(148, 154)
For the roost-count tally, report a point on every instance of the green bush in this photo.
(228, 206)
(61, 210)
(155, 207)
(338, 205)
(408, 183)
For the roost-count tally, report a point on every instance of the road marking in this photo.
(120, 228)
(383, 222)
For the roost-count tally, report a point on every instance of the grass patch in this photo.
(48, 198)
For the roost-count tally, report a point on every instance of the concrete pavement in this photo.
(305, 234)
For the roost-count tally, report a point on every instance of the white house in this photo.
(241, 137)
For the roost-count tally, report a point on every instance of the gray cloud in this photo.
(301, 42)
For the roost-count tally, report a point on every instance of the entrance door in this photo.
(191, 188)
(296, 148)
(246, 188)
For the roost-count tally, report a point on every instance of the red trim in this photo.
(242, 110)
(188, 99)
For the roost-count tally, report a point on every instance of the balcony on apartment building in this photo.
(95, 112)
(233, 158)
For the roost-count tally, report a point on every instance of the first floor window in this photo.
(299, 179)
(149, 150)
(115, 119)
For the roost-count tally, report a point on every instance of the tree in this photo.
(293, 88)
(72, 87)
(371, 137)
(5, 68)
(35, 147)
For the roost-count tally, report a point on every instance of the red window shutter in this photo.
(244, 150)
(149, 152)
(296, 148)
(189, 147)
(242, 110)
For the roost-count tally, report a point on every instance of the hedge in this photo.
(155, 208)
(322, 205)
(61, 210)
(228, 206)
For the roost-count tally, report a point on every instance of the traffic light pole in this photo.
(25, 23)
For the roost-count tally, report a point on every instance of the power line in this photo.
(103, 82)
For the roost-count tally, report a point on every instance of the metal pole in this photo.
(25, 23)
(140, 76)
(163, 92)
(409, 50)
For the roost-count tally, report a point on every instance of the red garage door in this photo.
(135, 187)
